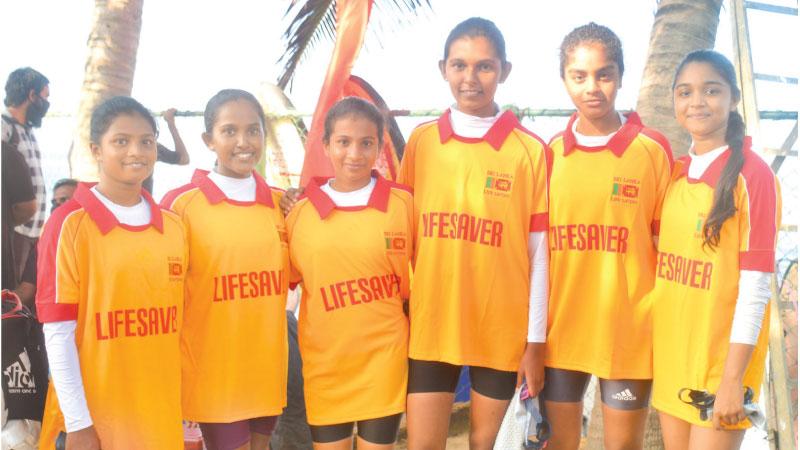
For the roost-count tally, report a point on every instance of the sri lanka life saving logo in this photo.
(625, 190)
(395, 242)
(498, 184)
(698, 227)
(175, 268)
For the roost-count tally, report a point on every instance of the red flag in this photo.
(351, 26)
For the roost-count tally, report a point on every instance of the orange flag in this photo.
(351, 26)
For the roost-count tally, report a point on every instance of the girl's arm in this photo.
(754, 294)
(65, 369)
(729, 403)
(532, 364)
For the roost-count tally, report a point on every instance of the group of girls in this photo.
(649, 274)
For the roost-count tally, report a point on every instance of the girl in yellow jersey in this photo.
(716, 256)
(480, 277)
(234, 348)
(110, 294)
(608, 179)
(351, 239)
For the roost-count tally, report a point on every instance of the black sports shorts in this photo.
(382, 430)
(569, 386)
(436, 376)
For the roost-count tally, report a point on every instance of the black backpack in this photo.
(24, 360)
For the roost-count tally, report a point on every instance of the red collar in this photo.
(617, 144)
(105, 219)
(714, 171)
(496, 135)
(379, 199)
(215, 195)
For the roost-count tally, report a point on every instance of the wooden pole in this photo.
(781, 420)
(743, 62)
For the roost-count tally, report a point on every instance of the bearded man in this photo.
(26, 105)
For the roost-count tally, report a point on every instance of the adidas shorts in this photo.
(569, 386)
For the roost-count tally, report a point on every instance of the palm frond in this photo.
(316, 20)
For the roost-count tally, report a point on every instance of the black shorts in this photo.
(436, 376)
(382, 430)
(569, 386)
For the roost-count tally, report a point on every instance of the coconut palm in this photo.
(680, 27)
(110, 65)
(316, 20)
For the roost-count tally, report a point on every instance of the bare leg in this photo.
(674, 431)
(367, 445)
(702, 438)
(624, 429)
(485, 417)
(566, 420)
(344, 444)
(428, 420)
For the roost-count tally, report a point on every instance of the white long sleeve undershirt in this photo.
(754, 286)
(62, 352)
(65, 370)
(540, 282)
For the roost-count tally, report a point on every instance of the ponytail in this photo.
(724, 206)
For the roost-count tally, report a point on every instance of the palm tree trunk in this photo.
(680, 27)
(112, 45)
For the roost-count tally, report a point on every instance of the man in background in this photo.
(179, 156)
(19, 205)
(62, 191)
(26, 104)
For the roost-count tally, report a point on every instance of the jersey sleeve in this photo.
(175, 201)
(406, 174)
(401, 262)
(759, 219)
(539, 202)
(291, 220)
(58, 284)
(662, 166)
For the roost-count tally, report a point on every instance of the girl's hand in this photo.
(531, 368)
(728, 405)
(289, 199)
(85, 439)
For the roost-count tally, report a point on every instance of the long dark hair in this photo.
(724, 206)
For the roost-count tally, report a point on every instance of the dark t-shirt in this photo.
(16, 188)
(164, 155)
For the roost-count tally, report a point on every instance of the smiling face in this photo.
(592, 81)
(473, 70)
(237, 138)
(353, 149)
(703, 102)
(126, 152)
